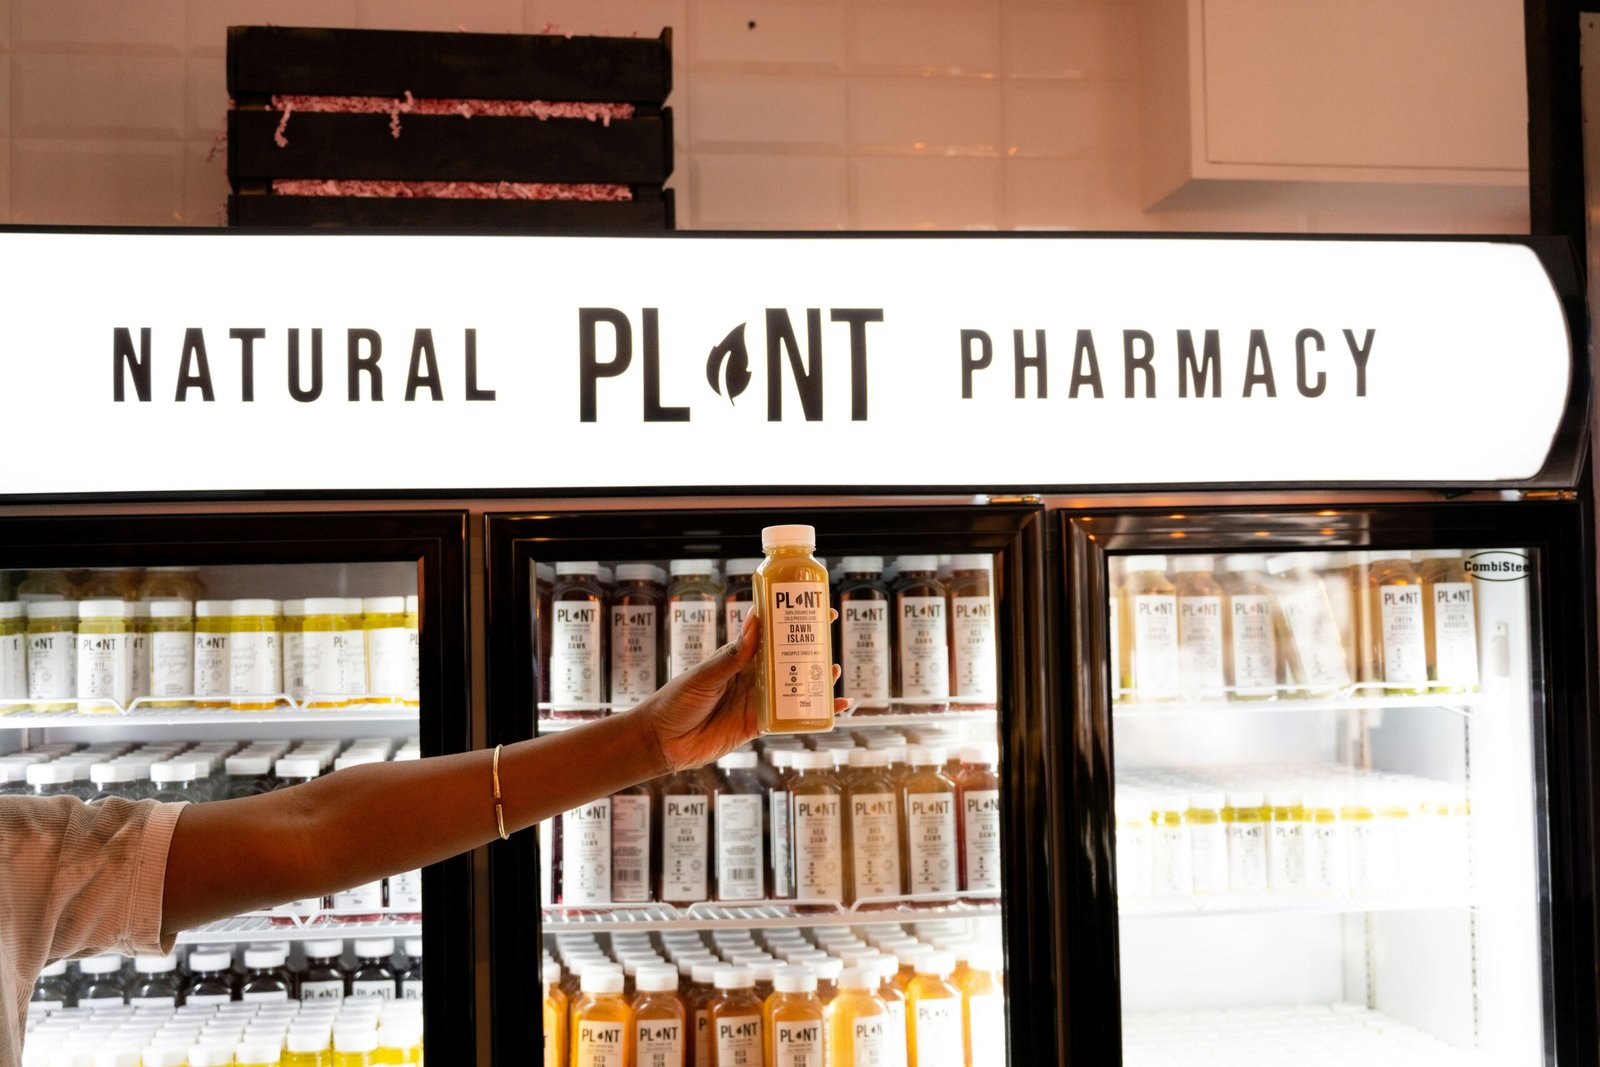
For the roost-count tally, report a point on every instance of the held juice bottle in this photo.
(794, 678)
(862, 634)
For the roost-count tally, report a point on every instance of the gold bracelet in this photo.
(499, 812)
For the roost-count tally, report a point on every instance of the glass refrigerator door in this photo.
(1329, 834)
(206, 658)
(870, 863)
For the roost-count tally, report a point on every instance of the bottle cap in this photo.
(986, 958)
(733, 978)
(256, 607)
(861, 565)
(1193, 565)
(925, 756)
(868, 757)
(1244, 563)
(384, 605)
(656, 978)
(737, 761)
(168, 772)
(352, 605)
(305, 1041)
(413, 947)
(908, 954)
(354, 1040)
(795, 980)
(112, 772)
(209, 961)
(741, 567)
(935, 963)
(170, 609)
(253, 766)
(297, 767)
(588, 567)
(917, 564)
(971, 561)
(370, 948)
(52, 609)
(324, 605)
(601, 980)
(1379, 554)
(399, 1033)
(1134, 564)
(102, 609)
(10, 609)
(682, 567)
(324, 950)
(261, 959)
(826, 969)
(983, 754)
(294, 608)
(107, 963)
(791, 536)
(413, 603)
(704, 973)
(636, 572)
(814, 761)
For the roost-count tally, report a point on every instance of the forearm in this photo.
(364, 823)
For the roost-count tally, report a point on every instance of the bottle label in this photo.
(254, 667)
(870, 1039)
(332, 990)
(1170, 861)
(598, 1044)
(1286, 856)
(630, 848)
(575, 653)
(739, 860)
(171, 664)
(797, 629)
(685, 847)
(294, 663)
(1455, 634)
(1327, 867)
(931, 841)
(1315, 633)
(693, 634)
(389, 660)
(733, 616)
(1255, 660)
(353, 653)
(875, 844)
(895, 1039)
(973, 645)
(980, 808)
(924, 648)
(939, 1036)
(586, 854)
(739, 1041)
(702, 1038)
(1200, 667)
(138, 665)
(1405, 653)
(411, 989)
(1155, 645)
(798, 1044)
(375, 987)
(633, 653)
(659, 1043)
(269, 996)
(52, 665)
(103, 666)
(986, 1031)
(1361, 845)
(323, 665)
(864, 651)
(367, 897)
(1208, 850)
(154, 1002)
(414, 656)
(13, 667)
(782, 842)
(817, 872)
(405, 891)
(1247, 857)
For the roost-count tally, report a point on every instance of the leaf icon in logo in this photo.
(730, 351)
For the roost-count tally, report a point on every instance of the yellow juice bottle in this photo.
(413, 694)
(388, 648)
(323, 661)
(793, 1021)
(928, 824)
(983, 1010)
(701, 993)
(13, 655)
(52, 654)
(306, 1048)
(399, 1042)
(1201, 660)
(1450, 620)
(794, 678)
(1250, 641)
(933, 1014)
(885, 968)
(171, 651)
(104, 683)
(1247, 818)
(555, 1016)
(213, 620)
(1399, 645)
(1149, 614)
(734, 1019)
(354, 1048)
(858, 1021)
(602, 1022)
(258, 1054)
(660, 1020)
(255, 662)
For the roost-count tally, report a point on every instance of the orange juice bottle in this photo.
(660, 1021)
(601, 1021)
(794, 678)
(734, 1019)
(983, 1010)
(859, 1025)
(933, 1014)
(793, 1020)
(555, 1016)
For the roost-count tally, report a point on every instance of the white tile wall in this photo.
(824, 114)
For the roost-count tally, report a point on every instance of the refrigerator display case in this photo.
(201, 656)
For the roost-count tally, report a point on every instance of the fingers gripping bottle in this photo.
(794, 680)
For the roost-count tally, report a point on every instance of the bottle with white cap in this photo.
(322, 656)
(1149, 613)
(871, 824)
(213, 620)
(102, 979)
(353, 1047)
(1398, 648)
(54, 989)
(373, 977)
(691, 613)
(978, 825)
(686, 845)
(52, 654)
(323, 979)
(413, 689)
(1249, 641)
(792, 1020)
(263, 980)
(819, 854)
(253, 1053)
(739, 598)
(858, 1022)
(1449, 617)
(928, 832)
(974, 642)
(255, 657)
(210, 979)
(734, 1018)
(1200, 650)
(13, 651)
(660, 1020)
(411, 977)
(983, 1009)
(581, 854)
(171, 651)
(577, 664)
(862, 634)
(353, 649)
(103, 666)
(1310, 636)
(602, 1022)
(388, 648)
(637, 634)
(739, 819)
(157, 982)
(794, 672)
(933, 1014)
(138, 650)
(922, 646)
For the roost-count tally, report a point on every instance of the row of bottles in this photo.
(102, 1033)
(915, 635)
(1289, 831)
(842, 823)
(60, 654)
(1305, 623)
(819, 998)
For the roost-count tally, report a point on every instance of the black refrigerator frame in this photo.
(1032, 808)
(1563, 671)
(437, 541)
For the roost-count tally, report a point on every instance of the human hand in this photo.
(710, 710)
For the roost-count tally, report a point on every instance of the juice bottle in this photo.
(1247, 819)
(697, 1004)
(691, 613)
(13, 653)
(260, 1054)
(138, 650)
(103, 675)
(983, 1010)
(1150, 629)
(928, 833)
(555, 1016)
(306, 1048)
(255, 663)
(922, 642)
(827, 971)
(411, 977)
(780, 818)
(1359, 816)
(819, 856)
(660, 1021)
(1170, 854)
(212, 622)
(738, 600)
(637, 635)
(974, 643)
(794, 675)
(1135, 871)
(1208, 842)
(353, 628)
(264, 975)
(1249, 642)
(734, 1019)
(1327, 858)
(54, 988)
(210, 979)
(886, 969)
(373, 976)
(323, 979)
(52, 654)
(388, 648)
(871, 827)
(1449, 619)
(792, 1020)
(978, 829)
(1308, 631)
(576, 667)
(1399, 645)
(413, 692)
(1344, 576)
(858, 1022)
(1201, 674)
(46, 585)
(1286, 842)
(399, 1042)
(322, 657)
(686, 801)
(741, 829)
(102, 979)
(354, 1048)
(632, 839)
(582, 854)
(862, 634)
(933, 1014)
(157, 983)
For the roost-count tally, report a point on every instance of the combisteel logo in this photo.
(1498, 565)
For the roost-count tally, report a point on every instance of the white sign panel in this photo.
(234, 362)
